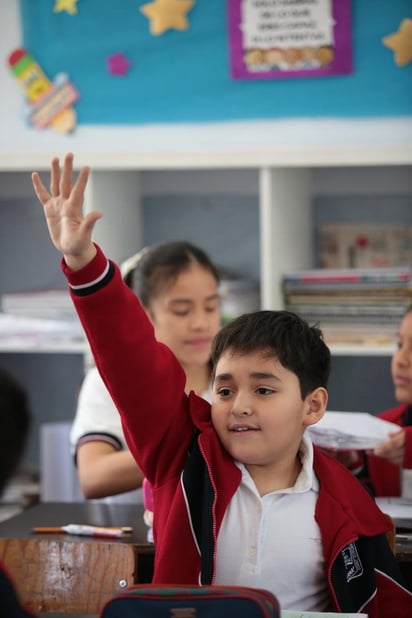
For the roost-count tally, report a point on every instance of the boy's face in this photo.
(258, 412)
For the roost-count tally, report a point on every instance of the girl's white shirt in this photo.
(98, 419)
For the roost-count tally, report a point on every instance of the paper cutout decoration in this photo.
(50, 104)
(118, 64)
(401, 43)
(70, 6)
(279, 39)
(167, 14)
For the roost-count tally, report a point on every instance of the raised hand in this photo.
(70, 231)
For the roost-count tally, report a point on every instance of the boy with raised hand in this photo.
(241, 496)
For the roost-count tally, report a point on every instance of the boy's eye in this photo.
(224, 392)
(263, 390)
(181, 313)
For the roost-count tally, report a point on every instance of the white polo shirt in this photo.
(274, 542)
(98, 419)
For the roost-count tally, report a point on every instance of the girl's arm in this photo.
(103, 471)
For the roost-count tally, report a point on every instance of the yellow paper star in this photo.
(401, 43)
(66, 5)
(167, 14)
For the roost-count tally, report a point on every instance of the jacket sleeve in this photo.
(143, 376)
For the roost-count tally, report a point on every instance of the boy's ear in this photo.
(316, 403)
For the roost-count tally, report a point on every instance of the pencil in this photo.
(85, 530)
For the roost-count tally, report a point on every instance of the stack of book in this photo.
(49, 304)
(363, 305)
(38, 318)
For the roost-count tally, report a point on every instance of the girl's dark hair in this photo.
(161, 264)
(283, 335)
(15, 423)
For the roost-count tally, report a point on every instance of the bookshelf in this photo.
(127, 189)
(256, 205)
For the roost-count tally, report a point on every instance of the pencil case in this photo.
(161, 601)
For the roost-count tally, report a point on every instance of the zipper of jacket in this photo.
(213, 513)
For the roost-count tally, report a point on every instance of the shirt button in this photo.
(252, 552)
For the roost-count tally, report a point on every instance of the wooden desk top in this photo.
(90, 512)
(95, 513)
(102, 514)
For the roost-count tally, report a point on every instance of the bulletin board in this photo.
(185, 76)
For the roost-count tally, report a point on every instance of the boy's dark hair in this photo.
(15, 423)
(161, 264)
(283, 335)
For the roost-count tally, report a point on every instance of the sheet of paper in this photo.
(350, 430)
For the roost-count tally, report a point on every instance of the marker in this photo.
(85, 530)
(51, 103)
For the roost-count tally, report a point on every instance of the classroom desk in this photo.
(99, 514)
(90, 512)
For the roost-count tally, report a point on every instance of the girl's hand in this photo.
(392, 449)
(70, 231)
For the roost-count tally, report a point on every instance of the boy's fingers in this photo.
(90, 219)
(41, 191)
(55, 177)
(80, 185)
(65, 185)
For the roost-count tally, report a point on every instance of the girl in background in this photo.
(177, 284)
(389, 466)
(387, 469)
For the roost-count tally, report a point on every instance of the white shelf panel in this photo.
(250, 143)
(49, 348)
(361, 350)
(83, 348)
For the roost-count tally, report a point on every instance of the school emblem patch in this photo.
(351, 560)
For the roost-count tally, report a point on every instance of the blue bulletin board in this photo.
(184, 76)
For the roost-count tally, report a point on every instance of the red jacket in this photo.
(172, 438)
(384, 476)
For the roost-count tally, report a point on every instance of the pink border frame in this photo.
(342, 62)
